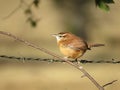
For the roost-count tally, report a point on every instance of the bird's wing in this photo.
(78, 45)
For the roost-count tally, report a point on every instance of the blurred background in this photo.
(80, 17)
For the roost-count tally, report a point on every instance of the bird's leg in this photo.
(76, 60)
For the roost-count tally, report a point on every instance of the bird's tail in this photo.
(95, 45)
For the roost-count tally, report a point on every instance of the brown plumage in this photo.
(73, 46)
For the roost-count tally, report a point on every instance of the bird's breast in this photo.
(71, 53)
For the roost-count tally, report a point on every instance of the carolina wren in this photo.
(72, 46)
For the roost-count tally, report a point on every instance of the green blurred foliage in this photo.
(32, 22)
(36, 3)
(103, 4)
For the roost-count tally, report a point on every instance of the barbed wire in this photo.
(53, 60)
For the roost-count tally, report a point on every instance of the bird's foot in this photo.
(77, 61)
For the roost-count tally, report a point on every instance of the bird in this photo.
(72, 46)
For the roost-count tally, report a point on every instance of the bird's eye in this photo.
(60, 36)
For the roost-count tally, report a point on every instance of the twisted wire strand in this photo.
(53, 60)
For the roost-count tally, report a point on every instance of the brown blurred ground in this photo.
(84, 20)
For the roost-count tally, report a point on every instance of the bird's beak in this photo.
(54, 35)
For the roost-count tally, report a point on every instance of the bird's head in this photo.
(62, 36)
